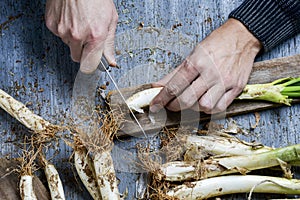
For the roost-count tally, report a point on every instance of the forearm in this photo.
(270, 21)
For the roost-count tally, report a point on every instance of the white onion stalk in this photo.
(98, 143)
(19, 111)
(54, 181)
(105, 176)
(26, 188)
(279, 91)
(180, 170)
(97, 165)
(85, 170)
(218, 186)
(142, 99)
(220, 146)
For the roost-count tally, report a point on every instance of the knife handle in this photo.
(103, 65)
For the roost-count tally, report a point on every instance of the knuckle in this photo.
(220, 108)
(238, 87)
(172, 90)
(61, 29)
(98, 33)
(191, 67)
(185, 103)
(206, 106)
(228, 79)
(52, 26)
(188, 101)
(76, 35)
(49, 24)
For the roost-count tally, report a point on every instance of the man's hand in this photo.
(213, 74)
(87, 27)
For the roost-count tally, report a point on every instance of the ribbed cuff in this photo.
(270, 21)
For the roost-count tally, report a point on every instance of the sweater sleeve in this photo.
(270, 21)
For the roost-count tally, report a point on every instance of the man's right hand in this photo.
(87, 27)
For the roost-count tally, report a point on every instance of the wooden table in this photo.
(152, 38)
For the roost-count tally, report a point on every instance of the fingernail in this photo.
(155, 108)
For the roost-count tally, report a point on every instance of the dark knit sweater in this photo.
(270, 21)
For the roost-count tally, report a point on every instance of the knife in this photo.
(104, 66)
(83, 100)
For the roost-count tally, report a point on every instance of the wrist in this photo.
(240, 36)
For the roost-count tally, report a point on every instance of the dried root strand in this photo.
(28, 158)
(27, 168)
(173, 143)
(159, 189)
(110, 123)
(99, 138)
(150, 161)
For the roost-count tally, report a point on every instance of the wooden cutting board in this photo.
(262, 72)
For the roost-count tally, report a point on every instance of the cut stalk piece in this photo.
(218, 186)
(279, 91)
(195, 170)
(85, 169)
(26, 188)
(105, 175)
(53, 179)
(19, 111)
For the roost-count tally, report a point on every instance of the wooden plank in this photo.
(263, 72)
(269, 70)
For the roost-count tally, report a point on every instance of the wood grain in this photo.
(263, 72)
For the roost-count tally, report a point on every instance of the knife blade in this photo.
(104, 66)
(83, 102)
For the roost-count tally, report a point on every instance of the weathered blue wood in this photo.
(36, 67)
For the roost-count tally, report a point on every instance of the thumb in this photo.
(109, 45)
(91, 56)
